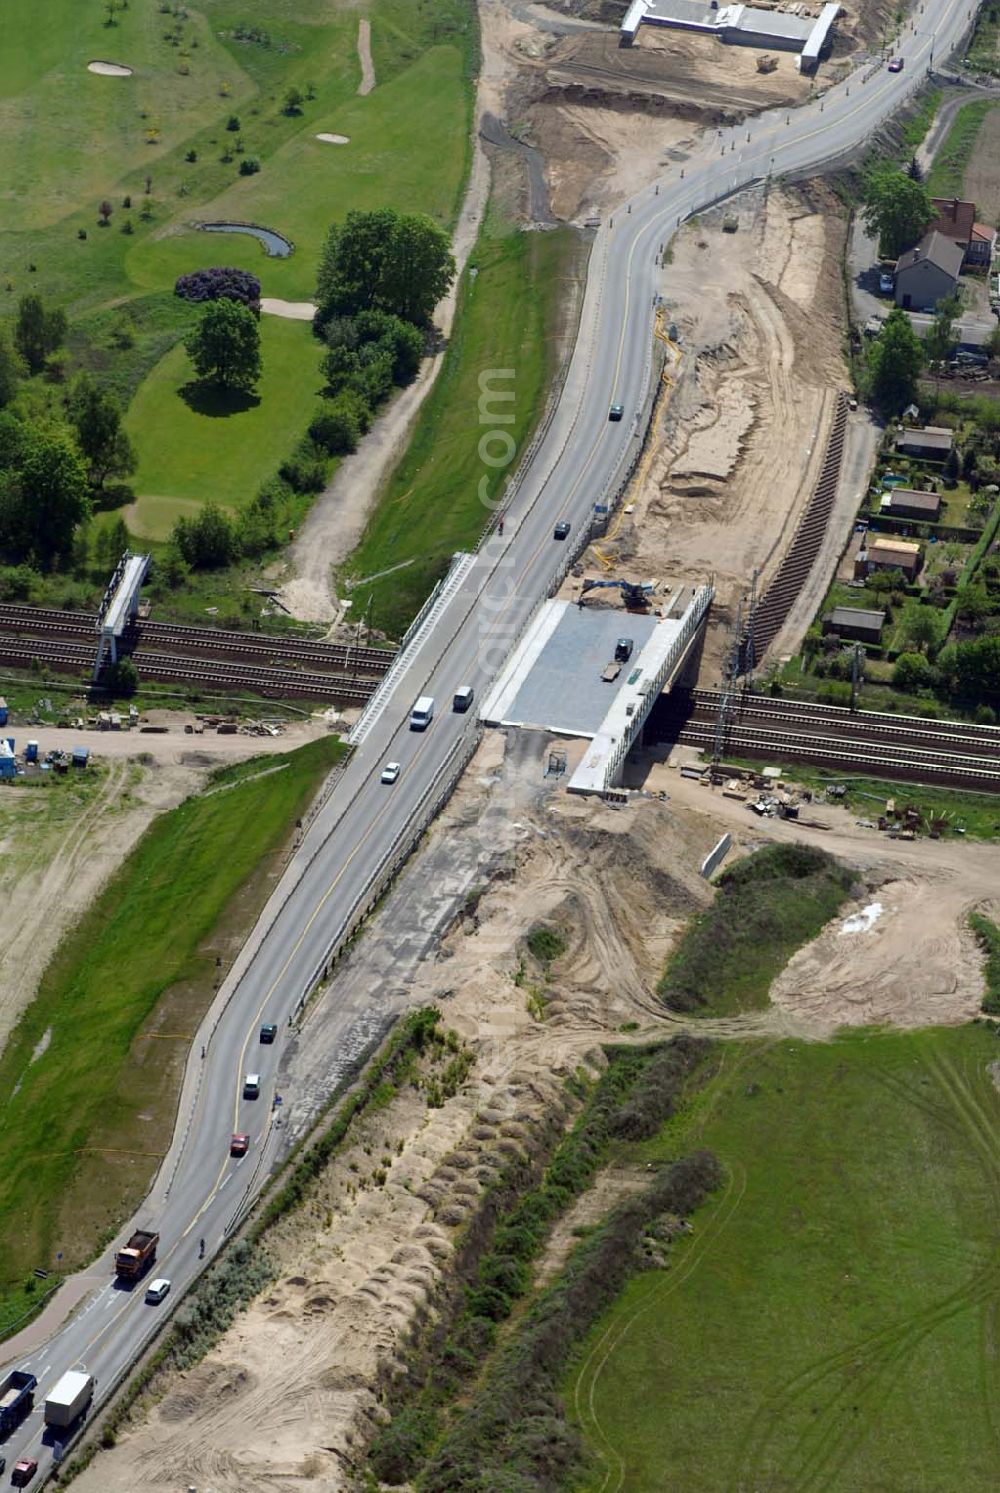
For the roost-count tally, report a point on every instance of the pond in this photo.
(274, 244)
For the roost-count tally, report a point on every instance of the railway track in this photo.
(49, 622)
(957, 770)
(836, 720)
(893, 746)
(78, 658)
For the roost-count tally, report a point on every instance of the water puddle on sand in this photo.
(863, 921)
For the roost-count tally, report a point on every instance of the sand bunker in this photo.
(335, 139)
(109, 69)
(291, 310)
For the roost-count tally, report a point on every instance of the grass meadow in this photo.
(91, 1072)
(831, 1321)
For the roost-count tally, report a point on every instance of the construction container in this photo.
(31, 752)
(81, 756)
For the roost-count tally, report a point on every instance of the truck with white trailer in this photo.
(69, 1400)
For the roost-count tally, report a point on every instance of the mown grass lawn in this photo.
(89, 1077)
(831, 1321)
(198, 443)
(507, 319)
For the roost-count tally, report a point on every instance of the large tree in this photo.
(897, 209)
(98, 421)
(384, 261)
(43, 499)
(942, 339)
(37, 332)
(225, 346)
(895, 359)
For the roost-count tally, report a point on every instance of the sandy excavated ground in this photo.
(291, 1394)
(740, 433)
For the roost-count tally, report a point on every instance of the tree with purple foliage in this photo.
(220, 284)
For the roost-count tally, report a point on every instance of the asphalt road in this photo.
(200, 1191)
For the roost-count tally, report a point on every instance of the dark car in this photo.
(23, 1472)
(561, 530)
(239, 1145)
(896, 65)
(616, 412)
(268, 1032)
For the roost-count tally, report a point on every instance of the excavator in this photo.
(635, 594)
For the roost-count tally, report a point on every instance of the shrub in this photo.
(305, 470)
(337, 428)
(249, 166)
(123, 677)
(207, 542)
(398, 1451)
(912, 672)
(988, 936)
(220, 283)
(545, 943)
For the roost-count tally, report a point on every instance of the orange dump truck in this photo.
(135, 1257)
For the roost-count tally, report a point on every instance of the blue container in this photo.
(31, 752)
(3, 712)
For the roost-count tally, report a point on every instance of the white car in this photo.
(156, 1291)
(390, 772)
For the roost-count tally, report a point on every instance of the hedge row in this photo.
(514, 1435)
(988, 936)
(636, 1094)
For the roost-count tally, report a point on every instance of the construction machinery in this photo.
(635, 594)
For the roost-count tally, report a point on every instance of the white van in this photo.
(422, 713)
(251, 1086)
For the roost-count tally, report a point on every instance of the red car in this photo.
(896, 65)
(23, 1472)
(239, 1145)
